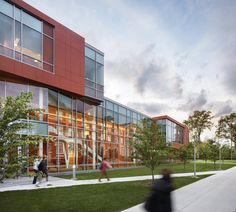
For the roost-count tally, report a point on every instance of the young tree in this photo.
(149, 145)
(183, 154)
(204, 151)
(214, 153)
(225, 152)
(13, 120)
(198, 122)
(226, 128)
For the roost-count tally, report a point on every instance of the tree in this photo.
(198, 122)
(13, 120)
(204, 151)
(226, 128)
(214, 152)
(225, 152)
(149, 145)
(183, 154)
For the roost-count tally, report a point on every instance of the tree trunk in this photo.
(152, 175)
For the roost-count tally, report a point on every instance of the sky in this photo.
(161, 57)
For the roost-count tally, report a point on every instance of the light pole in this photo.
(74, 172)
(220, 156)
(194, 157)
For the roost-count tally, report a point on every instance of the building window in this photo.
(32, 46)
(94, 73)
(90, 69)
(25, 38)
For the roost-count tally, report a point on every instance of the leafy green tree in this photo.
(204, 148)
(214, 153)
(198, 122)
(14, 112)
(225, 152)
(149, 145)
(226, 128)
(183, 154)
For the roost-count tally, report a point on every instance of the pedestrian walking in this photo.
(35, 168)
(104, 166)
(159, 199)
(42, 171)
(45, 167)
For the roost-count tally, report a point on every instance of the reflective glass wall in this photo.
(173, 132)
(25, 38)
(94, 73)
(78, 133)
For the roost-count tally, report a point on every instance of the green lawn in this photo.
(100, 197)
(176, 168)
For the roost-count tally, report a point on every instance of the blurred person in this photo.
(42, 170)
(159, 199)
(35, 168)
(45, 167)
(104, 166)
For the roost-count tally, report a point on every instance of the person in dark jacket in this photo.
(159, 199)
(45, 167)
(42, 171)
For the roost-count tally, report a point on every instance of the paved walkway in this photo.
(25, 183)
(216, 193)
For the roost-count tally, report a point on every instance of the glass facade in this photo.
(174, 132)
(79, 133)
(25, 38)
(94, 73)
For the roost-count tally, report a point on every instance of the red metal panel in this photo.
(69, 58)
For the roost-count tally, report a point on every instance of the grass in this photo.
(100, 197)
(176, 168)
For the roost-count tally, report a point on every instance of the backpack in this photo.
(40, 166)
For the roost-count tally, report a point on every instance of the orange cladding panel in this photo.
(68, 58)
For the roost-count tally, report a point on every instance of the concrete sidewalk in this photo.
(216, 193)
(25, 183)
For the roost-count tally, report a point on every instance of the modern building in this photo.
(66, 76)
(176, 133)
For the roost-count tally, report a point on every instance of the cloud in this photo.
(150, 108)
(181, 59)
(147, 73)
(156, 78)
(194, 102)
(230, 79)
(222, 108)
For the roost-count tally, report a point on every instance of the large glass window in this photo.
(17, 40)
(94, 73)
(6, 8)
(32, 22)
(14, 89)
(90, 53)
(89, 69)
(25, 38)
(32, 43)
(6, 31)
(100, 58)
(100, 74)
